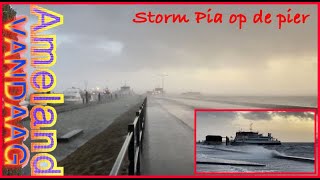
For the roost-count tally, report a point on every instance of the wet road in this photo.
(168, 144)
(183, 109)
(198, 103)
(249, 101)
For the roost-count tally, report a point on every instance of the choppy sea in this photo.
(256, 154)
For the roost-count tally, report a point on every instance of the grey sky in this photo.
(101, 44)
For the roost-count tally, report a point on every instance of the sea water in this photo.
(257, 154)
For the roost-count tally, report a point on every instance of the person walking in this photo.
(227, 141)
(87, 97)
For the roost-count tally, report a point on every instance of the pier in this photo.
(136, 135)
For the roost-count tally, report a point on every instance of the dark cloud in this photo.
(257, 116)
(213, 45)
(271, 115)
(300, 115)
(220, 120)
(217, 115)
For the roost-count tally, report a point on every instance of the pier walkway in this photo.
(168, 144)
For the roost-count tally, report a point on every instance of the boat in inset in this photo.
(254, 138)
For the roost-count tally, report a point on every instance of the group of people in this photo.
(86, 96)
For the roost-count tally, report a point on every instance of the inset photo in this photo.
(255, 141)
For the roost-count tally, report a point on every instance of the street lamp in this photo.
(163, 76)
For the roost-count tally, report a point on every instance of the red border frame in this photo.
(166, 3)
(256, 173)
(159, 3)
(1, 95)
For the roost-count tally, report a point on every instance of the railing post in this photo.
(145, 110)
(130, 145)
(139, 139)
(131, 150)
(138, 163)
(138, 128)
(137, 131)
(141, 118)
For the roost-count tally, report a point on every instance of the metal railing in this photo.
(132, 146)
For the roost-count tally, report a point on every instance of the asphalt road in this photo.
(168, 144)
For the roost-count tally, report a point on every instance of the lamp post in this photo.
(163, 76)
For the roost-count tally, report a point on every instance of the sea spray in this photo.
(260, 152)
(248, 152)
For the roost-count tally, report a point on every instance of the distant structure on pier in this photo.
(125, 90)
(191, 94)
(159, 91)
(156, 91)
(213, 140)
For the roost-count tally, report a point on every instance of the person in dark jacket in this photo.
(227, 140)
(87, 97)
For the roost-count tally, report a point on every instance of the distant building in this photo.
(158, 91)
(191, 94)
(125, 90)
(212, 139)
(149, 92)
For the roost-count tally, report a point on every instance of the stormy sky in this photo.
(285, 126)
(102, 45)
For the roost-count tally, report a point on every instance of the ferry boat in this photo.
(254, 138)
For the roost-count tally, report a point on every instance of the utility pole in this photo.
(85, 84)
(163, 76)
